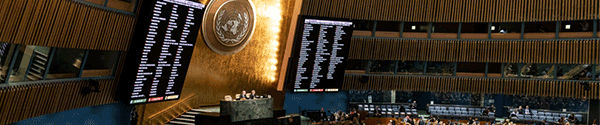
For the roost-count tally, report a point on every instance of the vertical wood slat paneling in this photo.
(28, 13)
(36, 21)
(454, 11)
(496, 51)
(65, 24)
(567, 89)
(3, 15)
(31, 102)
(40, 101)
(56, 27)
(3, 99)
(47, 22)
(22, 93)
(10, 23)
(6, 107)
(10, 110)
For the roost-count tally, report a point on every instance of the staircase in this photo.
(186, 118)
(37, 66)
(526, 68)
(574, 71)
(550, 73)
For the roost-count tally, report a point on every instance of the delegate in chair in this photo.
(253, 95)
(243, 96)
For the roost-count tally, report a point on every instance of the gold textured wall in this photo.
(211, 76)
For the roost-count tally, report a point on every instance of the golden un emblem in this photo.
(228, 25)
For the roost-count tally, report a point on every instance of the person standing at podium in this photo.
(243, 96)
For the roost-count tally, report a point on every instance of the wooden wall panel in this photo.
(454, 10)
(584, 51)
(19, 102)
(530, 87)
(64, 23)
(26, 101)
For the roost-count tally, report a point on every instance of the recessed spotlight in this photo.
(493, 28)
(413, 27)
(568, 26)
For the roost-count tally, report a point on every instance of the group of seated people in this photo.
(432, 121)
(378, 110)
(572, 119)
(488, 110)
(410, 121)
(520, 110)
(244, 96)
(338, 116)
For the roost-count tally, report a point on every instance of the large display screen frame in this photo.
(294, 58)
(129, 70)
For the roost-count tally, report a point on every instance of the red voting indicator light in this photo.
(155, 99)
(316, 90)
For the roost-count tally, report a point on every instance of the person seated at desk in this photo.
(418, 122)
(492, 108)
(253, 95)
(413, 105)
(433, 119)
(485, 112)
(243, 96)
(514, 113)
(562, 120)
(520, 110)
(572, 118)
(527, 111)
(406, 119)
(507, 122)
(471, 121)
(336, 115)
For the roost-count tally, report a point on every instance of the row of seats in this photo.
(457, 110)
(463, 112)
(390, 110)
(537, 115)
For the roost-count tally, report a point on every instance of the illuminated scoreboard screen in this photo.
(320, 54)
(160, 51)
